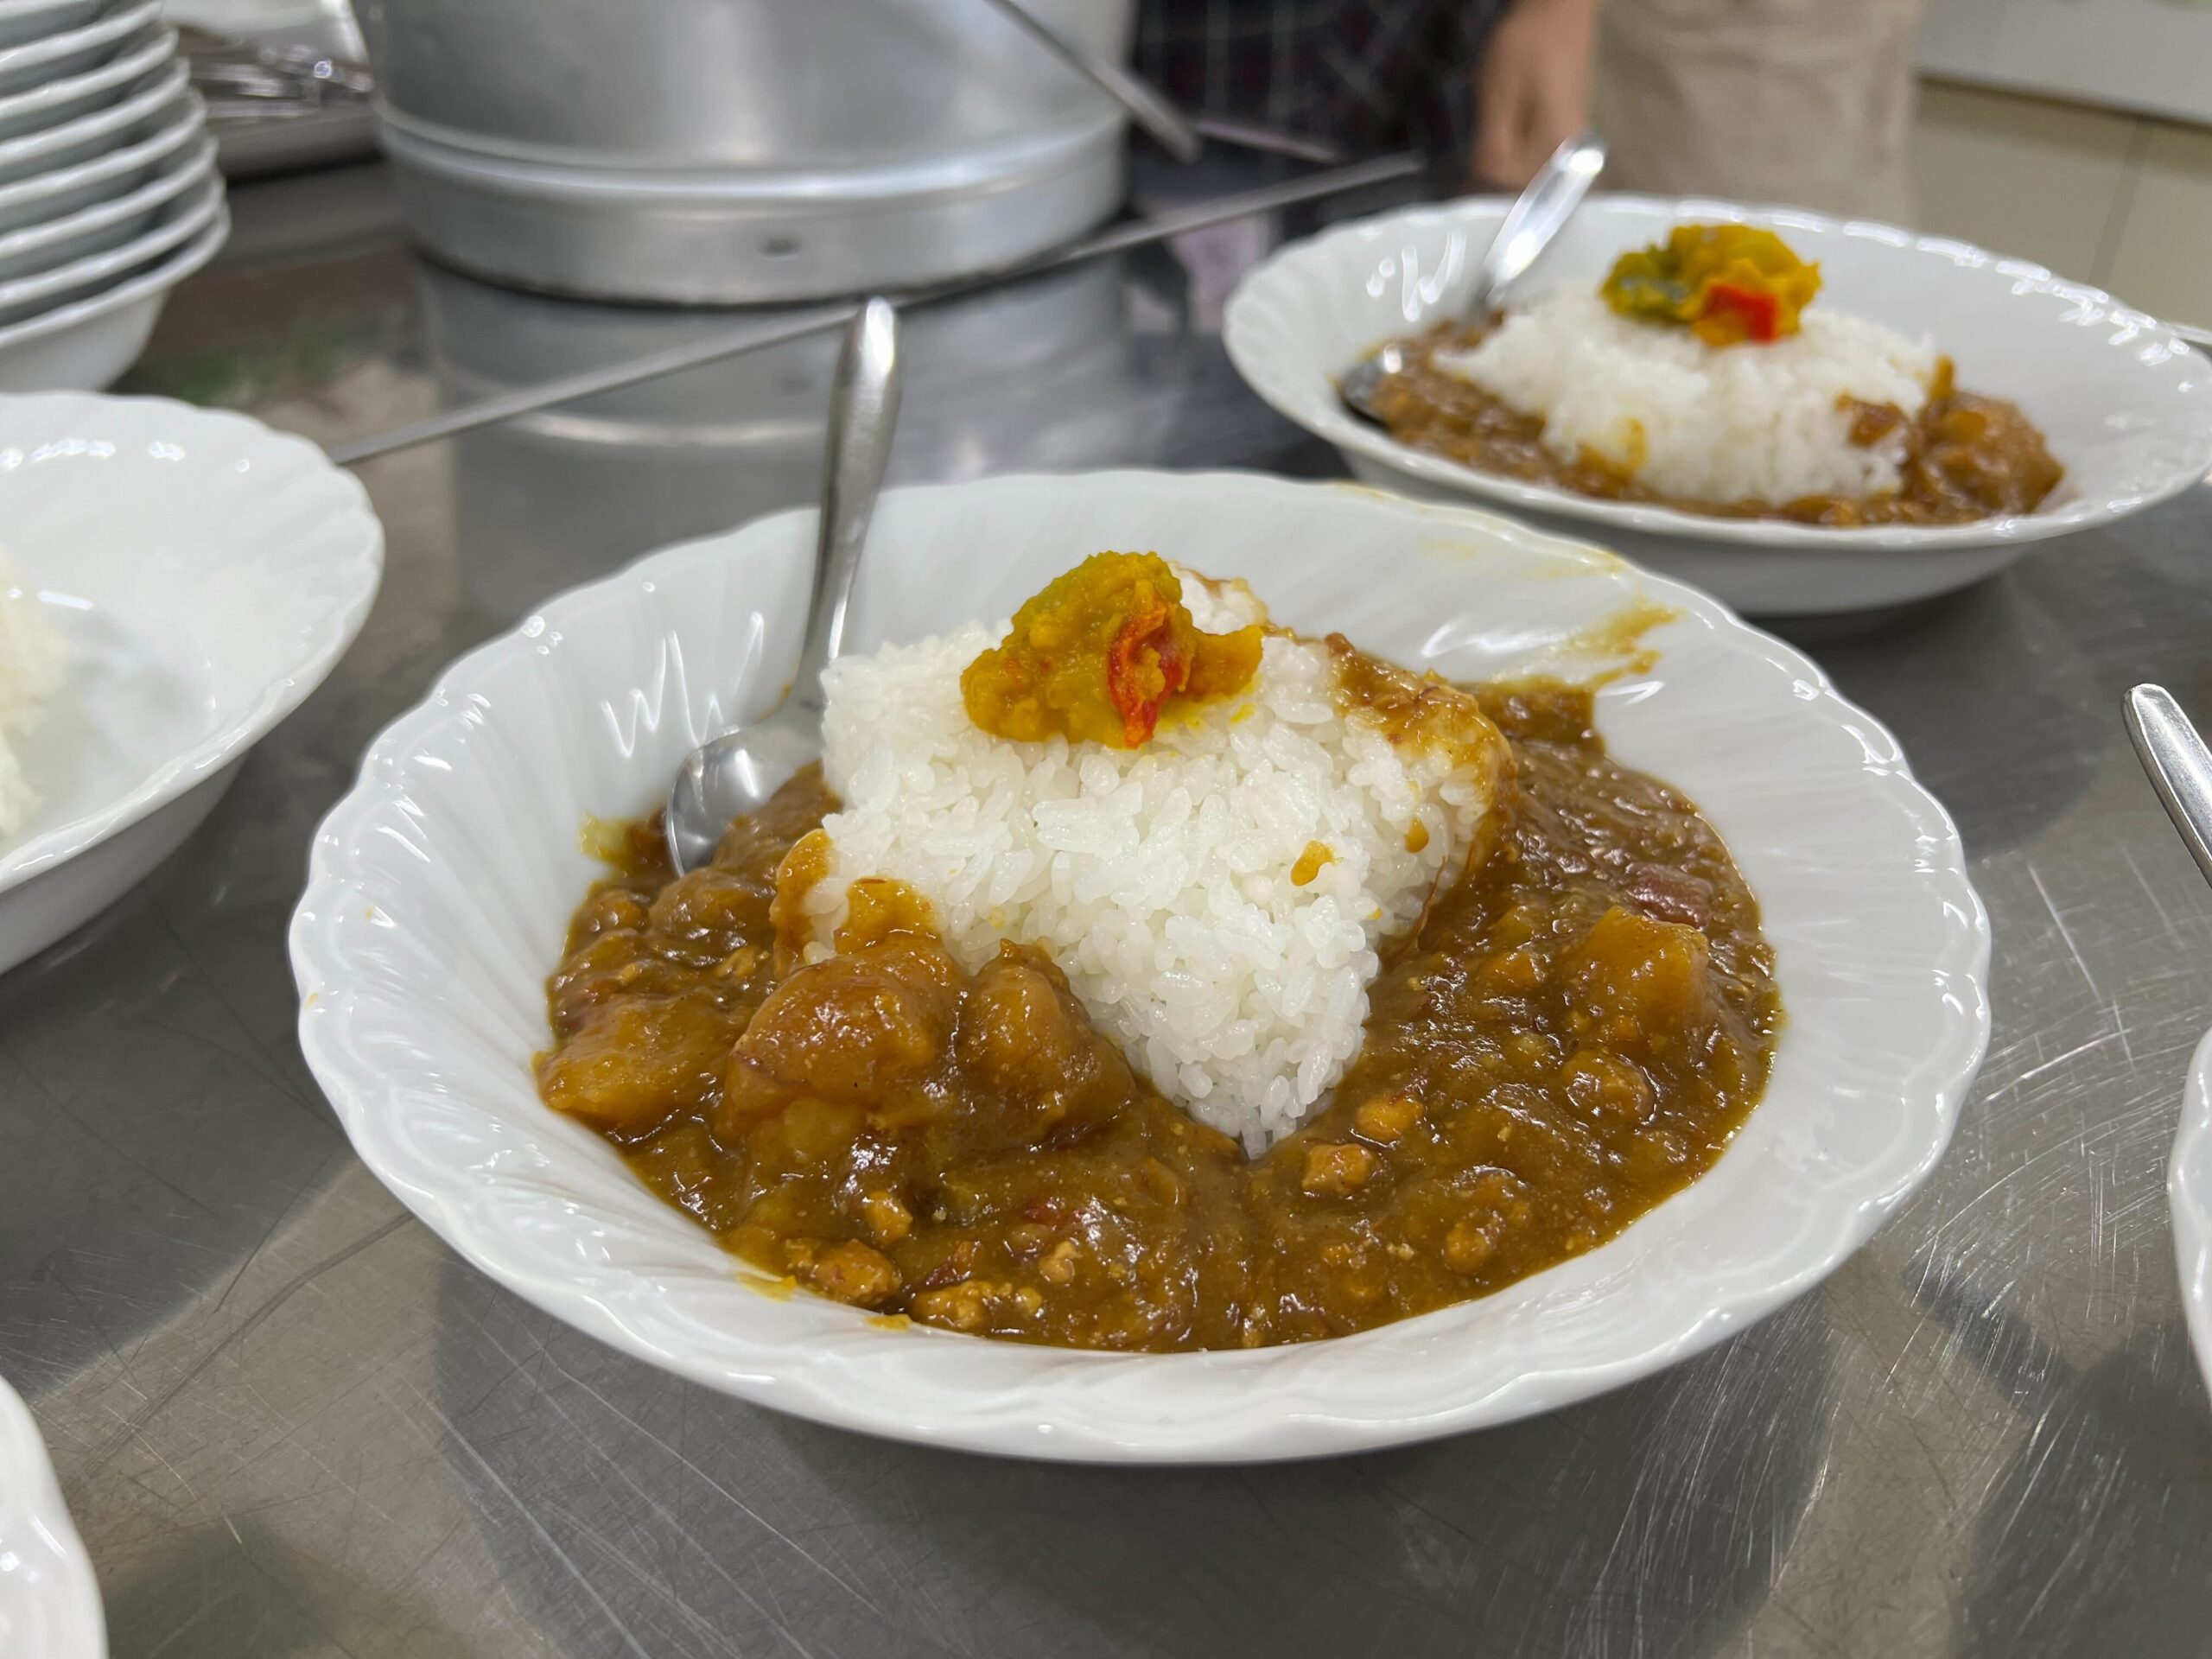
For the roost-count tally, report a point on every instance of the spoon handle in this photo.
(2179, 765)
(863, 410)
(1537, 215)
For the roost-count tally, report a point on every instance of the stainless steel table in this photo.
(289, 1422)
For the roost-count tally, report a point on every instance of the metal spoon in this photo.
(1144, 105)
(2178, 764)
(1527, 229)
(737, 772)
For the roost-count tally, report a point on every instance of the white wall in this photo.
(2152, 56)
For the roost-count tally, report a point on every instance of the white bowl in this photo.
(2125, 404)
(84, 345)
(72, 51)
(53, 101)
(23, 298)
(2189, 1201)
(49, 1600)
(60, 191)
(144, 110)
(105, 225)
(440, 889)
(205, 573)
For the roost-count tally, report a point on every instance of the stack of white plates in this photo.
(109, 195)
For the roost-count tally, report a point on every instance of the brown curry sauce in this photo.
(1966, 457)
(1574, 1033)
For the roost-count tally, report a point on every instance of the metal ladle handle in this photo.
(863, 412)
(1147, 107)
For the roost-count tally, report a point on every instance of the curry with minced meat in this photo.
(1964, 457)
(1572, 1033)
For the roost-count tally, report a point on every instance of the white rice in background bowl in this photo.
(1702, 422)
(1171, 884)
(31, 658)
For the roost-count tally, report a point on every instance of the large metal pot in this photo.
(740, 149)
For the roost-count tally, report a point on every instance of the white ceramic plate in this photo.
(83, 346)
(2125, 404)
(143, 112)
(205, 573)
(265, 20)
(49, 1600)
(31, 20)
(72, 95)
(106, 226)
(2189, 1199)
(72, 51)
(440, 889)
(63, 190)
(176, 224)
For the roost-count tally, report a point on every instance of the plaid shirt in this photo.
(1365, 73)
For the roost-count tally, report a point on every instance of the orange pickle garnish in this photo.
(1101, 654)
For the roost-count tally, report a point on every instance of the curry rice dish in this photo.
(1701, 377)
(1146, 977)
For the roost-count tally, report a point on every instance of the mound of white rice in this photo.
(30, 669)
(1703, 423)
(1161, 880)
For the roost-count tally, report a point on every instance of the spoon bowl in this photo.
(736, 772)
(1535, 217)
(1358, 387)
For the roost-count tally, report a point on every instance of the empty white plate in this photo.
(49, 1600)
(142, 112)
(32, 20)
(205, 573)
(105, 224)
(2189, 1199)
(73, 51)
(25, 297)
(63, 190)
(84, 345)
(72, 95)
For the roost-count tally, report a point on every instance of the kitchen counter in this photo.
(291, 1422)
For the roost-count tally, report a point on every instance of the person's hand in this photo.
(1532, 88)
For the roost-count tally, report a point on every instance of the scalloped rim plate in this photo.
(272, 556)
(71, 44)
(2126, 403)
(103, 126)
(20, 250)
(49, 1600)
(150, 288)
(438, 891)
(20, 112)
(2188, 1200)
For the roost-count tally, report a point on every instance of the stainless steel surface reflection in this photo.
(290, 1423)
(574, 490)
